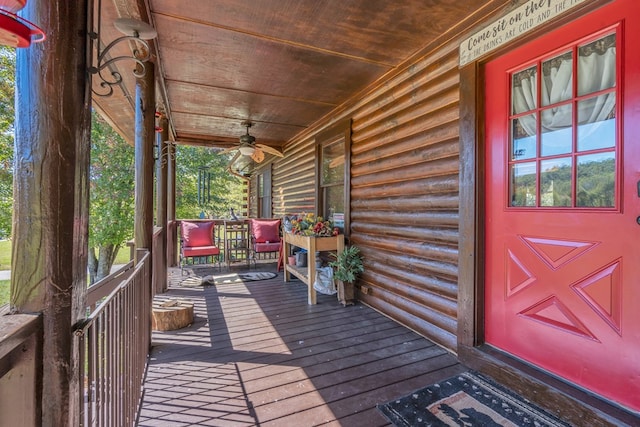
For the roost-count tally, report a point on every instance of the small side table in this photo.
(236, 242)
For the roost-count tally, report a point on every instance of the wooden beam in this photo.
(51, 181)
(162, 166)
(144, 139)
(172, 241)
(470, 265)
(220, 141)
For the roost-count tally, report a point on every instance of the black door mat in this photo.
(468, 399)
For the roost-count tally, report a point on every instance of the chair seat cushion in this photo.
(267, 247)
(200, 251)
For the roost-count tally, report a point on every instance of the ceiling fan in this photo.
(248, 146)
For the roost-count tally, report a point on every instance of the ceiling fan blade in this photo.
(270, 150)
(258, 155)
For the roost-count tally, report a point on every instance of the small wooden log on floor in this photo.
(171, 314)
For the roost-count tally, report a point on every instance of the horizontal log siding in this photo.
(253, 197)
(404, 197)
(404, 193)
(294, 180)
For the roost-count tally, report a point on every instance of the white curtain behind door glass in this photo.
(596, 71)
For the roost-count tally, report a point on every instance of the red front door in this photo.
(563, 202)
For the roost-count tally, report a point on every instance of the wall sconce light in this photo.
(133, 30)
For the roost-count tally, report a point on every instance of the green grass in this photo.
(4, 292)
(123, 256)
(5, 264)
(5, 254)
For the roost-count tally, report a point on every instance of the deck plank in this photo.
(257, 354)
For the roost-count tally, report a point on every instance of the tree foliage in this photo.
(111, 206)
(7, 117)
(595, 186)
(111, 211)
(225, 189)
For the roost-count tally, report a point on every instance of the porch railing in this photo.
(113, 345)
(159, 263)
(102, 288)
(20, 360)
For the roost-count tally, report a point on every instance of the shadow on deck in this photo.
(258, 355)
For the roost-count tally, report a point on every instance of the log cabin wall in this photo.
(253, 197)
(404, 193)
(293, 179)
(404, 196)
(246, 191)
(404, 177)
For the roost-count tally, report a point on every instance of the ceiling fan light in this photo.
(247, 150)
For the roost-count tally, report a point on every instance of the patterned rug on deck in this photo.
(467, 399)
(224, 279)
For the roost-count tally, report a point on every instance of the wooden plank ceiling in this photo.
(283, 64)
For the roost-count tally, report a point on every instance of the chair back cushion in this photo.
(197, 233)
(265, 230)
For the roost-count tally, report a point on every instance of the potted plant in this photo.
(347, 265)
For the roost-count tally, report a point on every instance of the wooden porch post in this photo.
(161, 203)
(50, 194)
(172, 243)
(144, 139)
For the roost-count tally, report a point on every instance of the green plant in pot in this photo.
(346, 268)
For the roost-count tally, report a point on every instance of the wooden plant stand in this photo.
(311, 244)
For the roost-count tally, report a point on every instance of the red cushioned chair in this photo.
(265, 236)
(197, 242)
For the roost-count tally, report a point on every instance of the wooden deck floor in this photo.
(258, 355)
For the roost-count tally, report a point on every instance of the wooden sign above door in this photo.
(513, 25)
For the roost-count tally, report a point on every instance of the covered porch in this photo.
(258, 354)
(370, 112)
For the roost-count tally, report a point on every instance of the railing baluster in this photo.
(93, 373)
(120, 367)
(102, 362)
(112, 347)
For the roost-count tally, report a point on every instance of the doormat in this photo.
(466, 400)
(225, 279)
(241, 277)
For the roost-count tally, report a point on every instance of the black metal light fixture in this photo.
(247, 142)
(133, 30)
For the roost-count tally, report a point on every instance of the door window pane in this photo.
(563, 129)
(523, 137)
(523, 91)
(523, 184)
(556, 135)
(597, 122)
(596, 180)
(557, 79)
(597, 65)
(555, 182)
